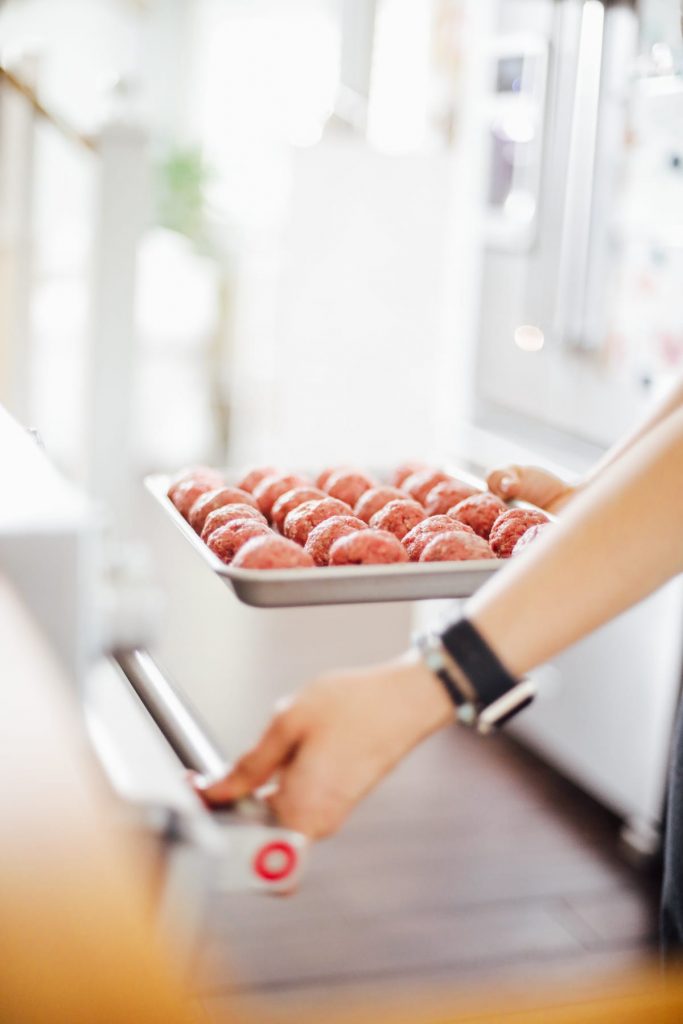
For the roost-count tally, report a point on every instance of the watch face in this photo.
(507, 706)
(511, 714)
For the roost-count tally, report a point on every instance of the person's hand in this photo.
(532, 484)
(335, 740)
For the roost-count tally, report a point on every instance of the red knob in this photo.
(275, 861)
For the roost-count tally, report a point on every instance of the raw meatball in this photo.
(212, 500)
(447, 494)
(456, 546)
(251, 478)
(228, 513)
(421, 483)
(480, 512)
(530, 535)
(510, 526)
(227, 540)
(398, 517)
(375, 499)
(272, 487)
(303, 519)
(325, 474)
(367, 547)
(348, 486)
(419, 537)
(185, 494)
(292, 499)
(194, 473)
(402, 472)
(323, 536)
(271, 552)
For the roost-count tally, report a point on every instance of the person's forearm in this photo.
(671, 402)
(616, 543)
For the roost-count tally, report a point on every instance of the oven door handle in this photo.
(576, 245)
(260, 854)
(174, 717)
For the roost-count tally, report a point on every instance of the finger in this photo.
(505, 482)
(255, 767)
(213, 792)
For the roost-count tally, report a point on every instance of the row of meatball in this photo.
(272, 519)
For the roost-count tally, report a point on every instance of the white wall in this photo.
(354, 372)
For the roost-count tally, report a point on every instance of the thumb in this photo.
(505, 482)
(255, 767)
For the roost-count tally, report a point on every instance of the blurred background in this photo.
(324, 203)
(312, 231)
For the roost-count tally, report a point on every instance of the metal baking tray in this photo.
(288, 588)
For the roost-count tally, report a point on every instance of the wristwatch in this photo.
(484, 693)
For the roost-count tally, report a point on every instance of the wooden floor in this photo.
(473, 865)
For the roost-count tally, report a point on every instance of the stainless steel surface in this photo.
(581, 169)
(607, 51)
(285, 588)
(178, 724)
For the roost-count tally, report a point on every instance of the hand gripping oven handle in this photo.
(260, 854)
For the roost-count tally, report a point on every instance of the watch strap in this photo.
(478, 662)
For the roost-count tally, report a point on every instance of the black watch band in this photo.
(478, 662)
(484, 693)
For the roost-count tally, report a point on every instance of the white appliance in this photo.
(555, 378)
(96, 607)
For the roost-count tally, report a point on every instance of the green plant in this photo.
(181, 181)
